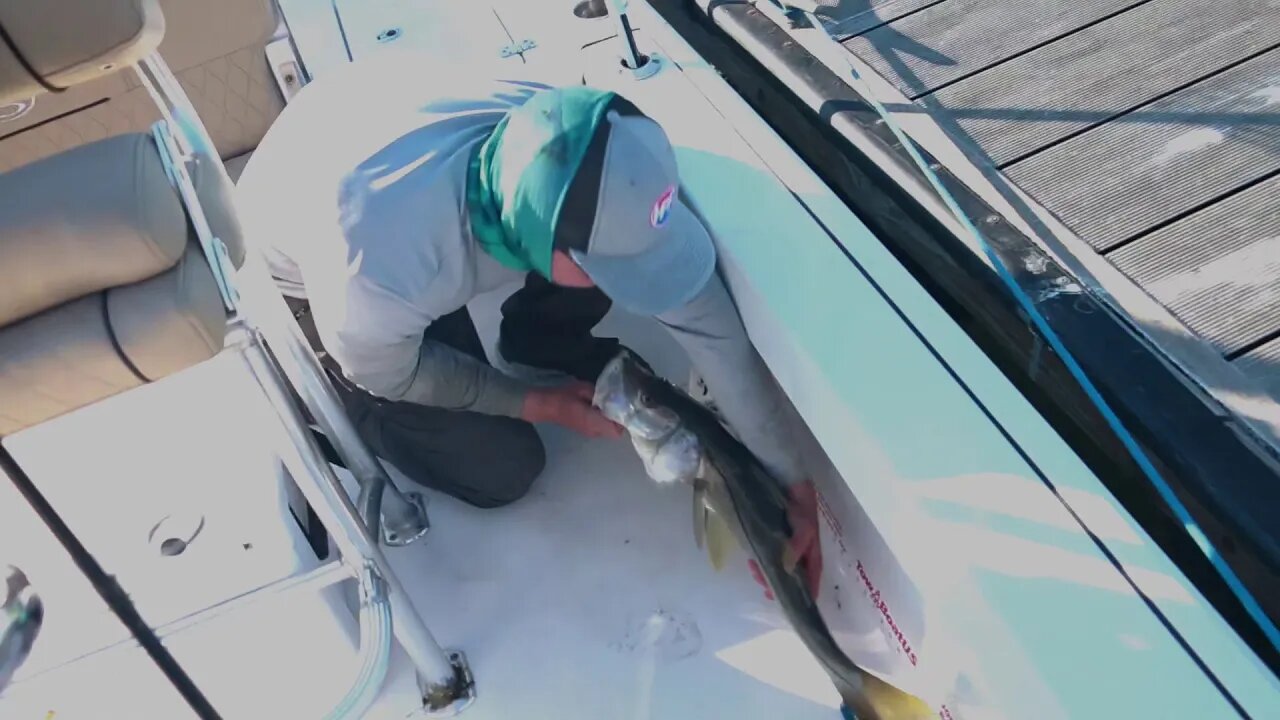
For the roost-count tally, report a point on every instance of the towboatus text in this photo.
(888, 616)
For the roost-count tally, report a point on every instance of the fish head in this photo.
(670, 451)
(620, 396)
(671, 459)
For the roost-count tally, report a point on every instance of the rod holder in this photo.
(637, 64)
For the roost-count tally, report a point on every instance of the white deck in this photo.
(586, 599)
(589, 599)
(191, 443)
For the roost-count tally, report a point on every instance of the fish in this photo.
(669, 451)
(736, 499)
(20, 623)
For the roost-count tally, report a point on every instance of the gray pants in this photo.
(484, 460)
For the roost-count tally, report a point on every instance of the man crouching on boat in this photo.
(386, 201)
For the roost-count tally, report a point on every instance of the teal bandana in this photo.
(518, 177)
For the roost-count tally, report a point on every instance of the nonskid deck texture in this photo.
(589, 599)
(1151, 128)
(586, 599)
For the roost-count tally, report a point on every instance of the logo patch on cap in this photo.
(662, 207)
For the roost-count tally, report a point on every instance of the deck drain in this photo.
(174, 533)
(389, 35)
(591, 9)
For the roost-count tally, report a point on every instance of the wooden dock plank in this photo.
(1219, 269)
(854, 17)
(948, 41)
(1088, 77)
(1123, 179)
(1263, 364)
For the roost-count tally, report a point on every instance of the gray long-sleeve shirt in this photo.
(357, 196)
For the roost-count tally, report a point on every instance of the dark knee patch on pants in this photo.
(484, 460)
(514, 467)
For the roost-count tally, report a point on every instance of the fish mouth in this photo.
(610, 395)
(670, 451)
(620, 396)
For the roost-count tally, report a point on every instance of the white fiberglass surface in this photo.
(585, 599)
(589, 599)
(193, 449)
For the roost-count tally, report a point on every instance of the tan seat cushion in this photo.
(69, 42)
(216, 48)
(64, 358)
(236, 165)
(170, 322)
(98, 216)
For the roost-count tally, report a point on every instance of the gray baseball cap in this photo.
(646, 250)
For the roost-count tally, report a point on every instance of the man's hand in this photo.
(805, 546)
(570, 406)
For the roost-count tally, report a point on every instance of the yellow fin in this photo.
(700, 512)
(789, 559)
(720, 540)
